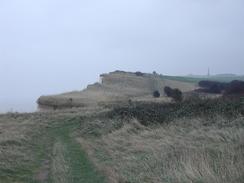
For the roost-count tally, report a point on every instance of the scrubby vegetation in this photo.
(198, 140)
(234, 87)
(156, 94)
(151, 113)
(176, 94)
(138, 73)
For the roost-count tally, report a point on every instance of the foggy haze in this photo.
(50, 47)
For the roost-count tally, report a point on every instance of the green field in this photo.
(192, 79)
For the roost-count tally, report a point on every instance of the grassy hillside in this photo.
(198, 140)
(38, 148)
(204, 144)
(114, 87)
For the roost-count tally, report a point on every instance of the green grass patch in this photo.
(195, 80)
(80, 167)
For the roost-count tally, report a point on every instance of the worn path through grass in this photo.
(69, 162)
(37, 148)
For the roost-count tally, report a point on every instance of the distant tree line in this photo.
(234, 87)
(138, 73)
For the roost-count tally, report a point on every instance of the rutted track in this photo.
(42, 148)
(69, 162)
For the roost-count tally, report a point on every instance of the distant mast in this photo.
(208, 72)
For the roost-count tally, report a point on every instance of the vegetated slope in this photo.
(195, 141)
(42, 147)
(114, 87)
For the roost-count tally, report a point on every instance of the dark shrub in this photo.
(212, 86)
(139, 73)
(151, 113)
(156, 94)
(168, 91)
(176, 94)
(235, 87)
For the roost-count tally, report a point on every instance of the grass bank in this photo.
(199, 142)
(70, 163)
(36, 148)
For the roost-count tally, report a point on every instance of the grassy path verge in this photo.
(69, 163)
(39, 149)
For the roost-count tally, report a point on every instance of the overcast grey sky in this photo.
(52, 46)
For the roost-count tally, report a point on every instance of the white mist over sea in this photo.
(18, 105)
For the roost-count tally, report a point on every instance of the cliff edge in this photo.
(114, 87)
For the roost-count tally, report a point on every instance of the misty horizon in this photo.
(50, 47)
(29, 104)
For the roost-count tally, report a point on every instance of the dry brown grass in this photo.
(40, 147)
(13, 132)
(184, 151)
(17, 157)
